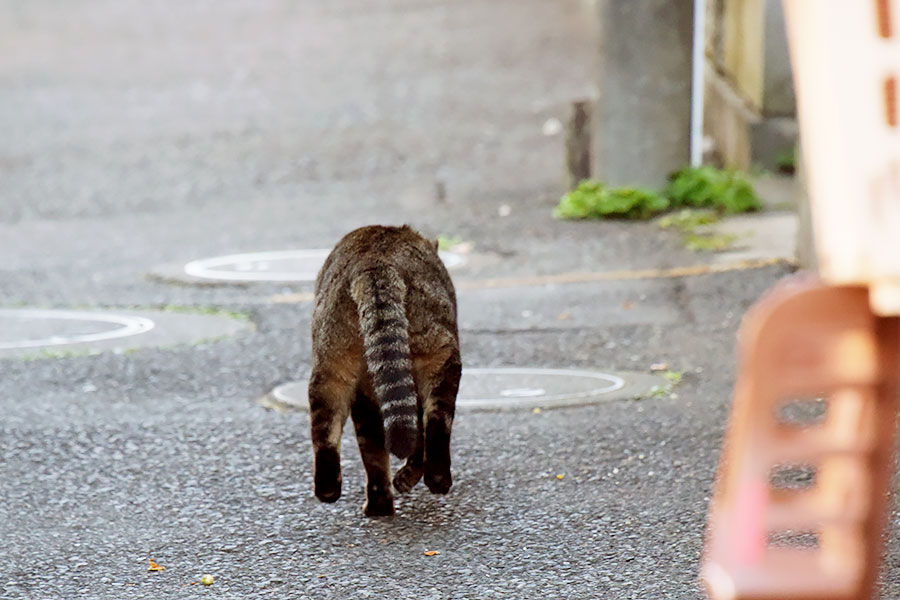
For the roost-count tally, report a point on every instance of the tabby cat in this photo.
(386, 353)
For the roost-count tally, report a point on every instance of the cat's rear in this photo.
(386, 353)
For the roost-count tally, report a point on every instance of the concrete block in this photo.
(642, 115)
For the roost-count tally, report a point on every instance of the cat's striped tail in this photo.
(379, 294)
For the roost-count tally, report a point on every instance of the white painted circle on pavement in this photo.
(513, 388)
(523, 392)
(20, 321)
(510, 386)
(280, 265)
(276, 266)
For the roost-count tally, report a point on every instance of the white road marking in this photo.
(127, 326)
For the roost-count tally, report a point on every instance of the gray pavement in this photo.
(140, 134)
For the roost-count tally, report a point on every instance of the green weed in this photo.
(718, 190)
(448, 243)
(687, 220)
(213, 311)
(594, 200)
(728, 192)
(674, 377)
(710, 242)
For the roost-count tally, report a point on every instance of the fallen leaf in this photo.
(207, 579)
(432, 552)
(563, 316)
(560, 476)
(155, 567)
(659, 366)
(536, 410)
(628, 305)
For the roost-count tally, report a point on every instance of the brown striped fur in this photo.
(386, 353)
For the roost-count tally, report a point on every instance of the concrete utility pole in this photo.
(642, 118)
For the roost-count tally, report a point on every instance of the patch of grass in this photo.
(710, 242)
(48, 353)
(728, 192)
(694, 227)
(658, 390)
(687, 220)
(594, 200)
(674, 377)
(214, 311)
(447, 242)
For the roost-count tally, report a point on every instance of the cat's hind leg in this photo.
(438, 408)
(411, 472)
(329, 403)
(369, 427)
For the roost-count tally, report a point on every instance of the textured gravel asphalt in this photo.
(135, 134)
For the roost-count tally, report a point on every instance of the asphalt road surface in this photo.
(135, 134)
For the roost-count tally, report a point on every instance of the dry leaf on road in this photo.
(155, 568)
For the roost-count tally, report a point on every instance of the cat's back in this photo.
(411, 256)
(397, 254)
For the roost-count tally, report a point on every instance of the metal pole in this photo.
(697, 82)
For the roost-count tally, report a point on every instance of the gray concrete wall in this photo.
(642, 117)
(778, 82)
